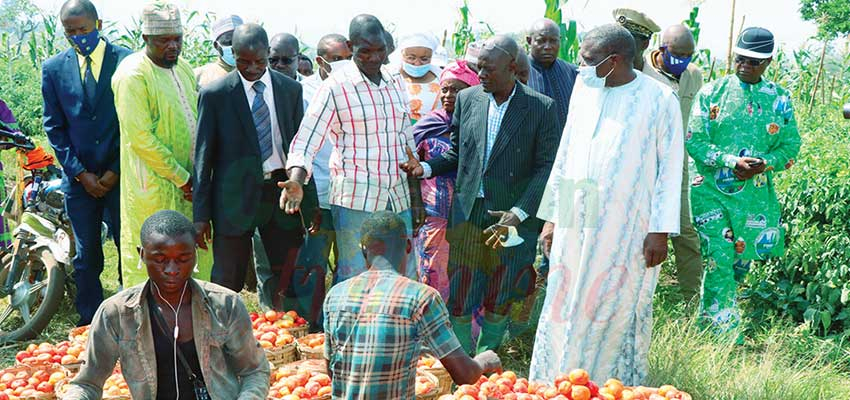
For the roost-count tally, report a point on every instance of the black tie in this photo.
(89, 84)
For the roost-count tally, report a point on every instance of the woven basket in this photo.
(310, 365)
(444, 380)
(308, 353)
(279, 356)
(435, 393)
(299, 332)
(73, 368)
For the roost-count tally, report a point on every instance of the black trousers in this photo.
(282, 237)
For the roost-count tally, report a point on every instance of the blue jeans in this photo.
(306, 292)
(347, 224)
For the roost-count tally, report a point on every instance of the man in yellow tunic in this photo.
(156, 100)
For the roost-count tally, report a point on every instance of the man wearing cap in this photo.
(670, 65)
(80, 121)
(742, 132)
(156, 100)
(222, 37)
(641, 27)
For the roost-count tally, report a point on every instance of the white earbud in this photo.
(176, 328)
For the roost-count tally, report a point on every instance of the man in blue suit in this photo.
(81, 123)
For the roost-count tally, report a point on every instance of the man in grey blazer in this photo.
(503, 143)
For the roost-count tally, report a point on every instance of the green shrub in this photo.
(811, 283)
(20, 85)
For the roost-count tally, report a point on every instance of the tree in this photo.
(832, 16)
(18, 17)
(833, 19)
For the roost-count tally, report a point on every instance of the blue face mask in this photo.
(675, 65)
(227, 55)
(86, 43)
(416, 71)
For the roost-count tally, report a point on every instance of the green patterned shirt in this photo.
(732, 119)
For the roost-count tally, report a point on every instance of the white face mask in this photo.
(336, 65)
(587, 73)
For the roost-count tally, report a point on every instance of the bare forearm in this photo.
(415, 191)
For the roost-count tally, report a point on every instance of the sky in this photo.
(310, 19)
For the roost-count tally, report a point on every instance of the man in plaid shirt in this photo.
(362, 109)
(377, 322)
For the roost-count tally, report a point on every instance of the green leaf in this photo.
(825, 320)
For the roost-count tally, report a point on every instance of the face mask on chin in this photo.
(588, 75)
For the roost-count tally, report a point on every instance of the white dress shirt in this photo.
(278, 159)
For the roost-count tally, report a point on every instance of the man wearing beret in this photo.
(670, 65)
(742, 132)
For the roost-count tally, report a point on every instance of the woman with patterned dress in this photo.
(420, 76)
(432, 139)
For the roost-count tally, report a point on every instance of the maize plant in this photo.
(569, 33)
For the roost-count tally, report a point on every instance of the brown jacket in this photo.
(232, 363)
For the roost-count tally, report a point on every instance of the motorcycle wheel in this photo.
(34, 301)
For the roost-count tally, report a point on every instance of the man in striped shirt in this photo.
(362, 110)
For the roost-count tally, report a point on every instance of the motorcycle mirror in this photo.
(847, 111)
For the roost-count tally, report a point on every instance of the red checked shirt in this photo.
(369, 126)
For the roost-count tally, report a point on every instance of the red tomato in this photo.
(17, 383)
(44, 387)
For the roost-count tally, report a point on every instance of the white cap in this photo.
(224, 25)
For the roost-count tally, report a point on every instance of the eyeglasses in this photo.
(492, 45)
(282, 60)
(753, 62)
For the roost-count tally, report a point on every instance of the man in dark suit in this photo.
(504, 138)
(246, 122)
(81, 123)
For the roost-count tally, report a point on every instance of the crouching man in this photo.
(174, 336)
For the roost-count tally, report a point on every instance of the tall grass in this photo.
(775, 364)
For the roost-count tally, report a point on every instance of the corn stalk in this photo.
(462, 35)
(569, 33)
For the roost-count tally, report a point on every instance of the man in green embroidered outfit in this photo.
(742, 132)
(156, 99)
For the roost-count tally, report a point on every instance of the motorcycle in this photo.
(35, 269)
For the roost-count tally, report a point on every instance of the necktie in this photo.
(262, 121)
(89, 84)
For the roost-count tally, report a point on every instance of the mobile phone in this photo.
(755, 164)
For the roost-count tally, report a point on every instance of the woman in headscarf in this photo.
(432, 139)
(420, 75)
